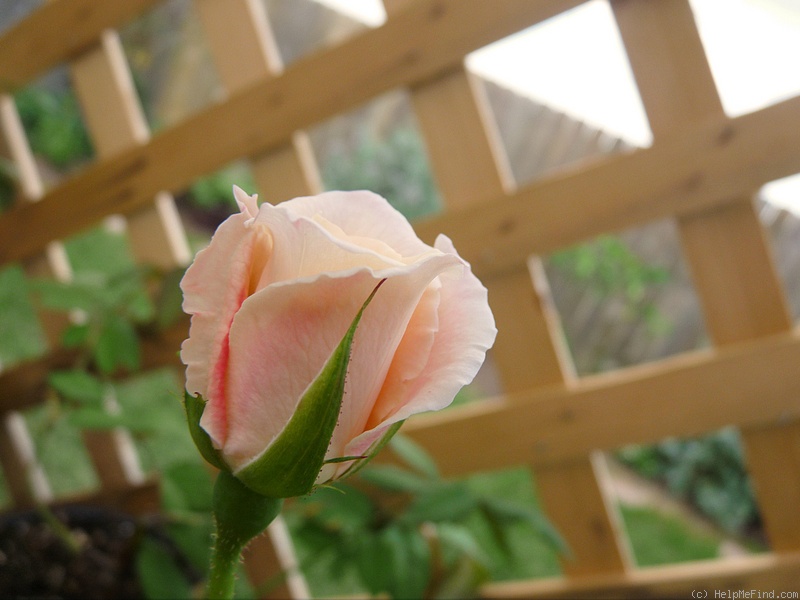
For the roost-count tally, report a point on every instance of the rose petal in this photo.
(301, 323)
(375, 349)
(466, 331)
(361, 214)
(304, 248)
(214, 287)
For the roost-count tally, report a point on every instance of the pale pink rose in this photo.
(277, 288)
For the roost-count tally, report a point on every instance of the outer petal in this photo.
(305, 248)
(361, 214)
(466, 330)
(214, 287)
(282, 336)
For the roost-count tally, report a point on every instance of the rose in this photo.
(277, 289)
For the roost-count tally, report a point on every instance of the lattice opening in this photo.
(596, 68)
(170, 62)
(757, 73)
(379, 147)
(702, 480)
(59, 448)
(54, 126)
(779, 212)
(21, 336)
(626, 299)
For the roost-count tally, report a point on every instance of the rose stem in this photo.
(239, 515)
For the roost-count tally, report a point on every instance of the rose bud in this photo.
(318, 326)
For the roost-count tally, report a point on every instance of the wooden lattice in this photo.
(702, 170)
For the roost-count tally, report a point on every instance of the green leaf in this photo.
(461, 539)
(94, 418)
(410, 559)
(78, 385)
(66, 296)
(186, 486)
(340, 508)
(290, 465)
(158, 574)
(463, 580)
(394, 479)
(414, 456)
(372, 564)
(194, 410)
(169, 302)
(75, 335)
(442, 502)
(97, 418)
(505, 511)
(117, 345)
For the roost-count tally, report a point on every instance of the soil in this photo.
(36, 563)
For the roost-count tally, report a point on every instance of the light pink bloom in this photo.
(277, 288)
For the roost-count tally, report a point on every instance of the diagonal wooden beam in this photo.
(417, 45)
(687, 395)
(708, 166)
(33, 46)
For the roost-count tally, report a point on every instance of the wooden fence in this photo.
(702, 170)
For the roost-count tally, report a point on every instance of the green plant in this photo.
(609, 268)
(53, 122)
(216, 190)
(404, 530)
(658, 539)
(395, 168)
(708, 472)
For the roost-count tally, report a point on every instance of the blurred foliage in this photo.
(395, 168)
(216, 190)
(405, 531)
(658, 539)
(21, 337)
(708, 472)
(610, 269)
(52, 120)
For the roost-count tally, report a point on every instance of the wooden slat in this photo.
(471, 168)
(114, 118)
(709, 166)
(24, 476)
(116, 122)
(245, 52)
(732, 269)
(56, 32)
(15, 147)
(526, 317)
(683, 396)
(763, 574)
(416, 45)
(141, 499)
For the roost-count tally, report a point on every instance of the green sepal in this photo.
(194, 410)
(290, 465)
(373, 450)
